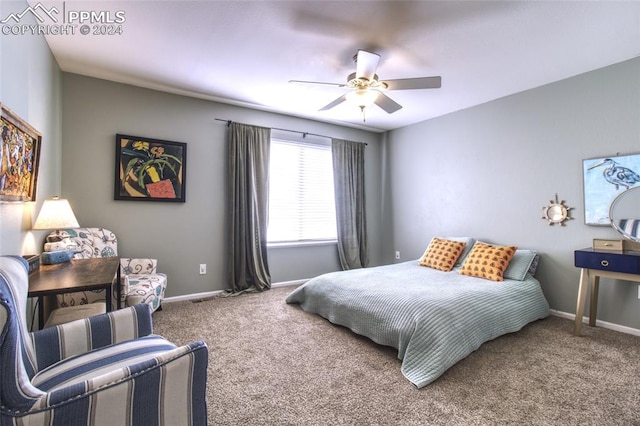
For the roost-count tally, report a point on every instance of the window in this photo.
(301, 202)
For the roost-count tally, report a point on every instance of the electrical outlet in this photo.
(397, 255)
(203, 268)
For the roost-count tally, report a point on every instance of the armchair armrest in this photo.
(149, 401)
(138, 266)
(54, 344)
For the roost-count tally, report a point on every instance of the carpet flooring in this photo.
(273, 363)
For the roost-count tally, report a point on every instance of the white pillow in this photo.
(520, 264)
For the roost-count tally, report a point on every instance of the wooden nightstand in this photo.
(618, 265)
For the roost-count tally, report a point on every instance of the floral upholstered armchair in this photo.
(106, 370)
(140, 281)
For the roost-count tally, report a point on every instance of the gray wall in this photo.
(30, 87)
(183, 235)
(487, 171)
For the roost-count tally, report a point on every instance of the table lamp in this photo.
(56, 214)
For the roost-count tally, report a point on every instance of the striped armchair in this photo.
(105, 370)
(141, 282)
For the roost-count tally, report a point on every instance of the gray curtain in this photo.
(348, 180)
(248, 207)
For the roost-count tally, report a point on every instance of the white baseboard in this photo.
(288, 283)
(207, 294)
(599, 323)
(192, 296)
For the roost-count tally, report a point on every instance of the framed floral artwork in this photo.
(604, 179)
(149, 169)
(19, 157)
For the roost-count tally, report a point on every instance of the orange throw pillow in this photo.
(487, 261)
(442, 254)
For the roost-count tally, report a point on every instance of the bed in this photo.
(433, 317)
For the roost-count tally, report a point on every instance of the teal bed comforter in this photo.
(433, 318)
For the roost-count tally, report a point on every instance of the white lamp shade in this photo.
(362, 97)
(56, 214)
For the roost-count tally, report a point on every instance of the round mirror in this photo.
(624, 213)
(556, 212)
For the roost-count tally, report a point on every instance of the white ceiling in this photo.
(245, 52)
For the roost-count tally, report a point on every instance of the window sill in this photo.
(302, 243)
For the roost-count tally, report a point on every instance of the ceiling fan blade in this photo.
(414, 83)
(366, 64)
(387, 104)
(317, 82)
(338, 101)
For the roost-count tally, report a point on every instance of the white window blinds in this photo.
(301, 201)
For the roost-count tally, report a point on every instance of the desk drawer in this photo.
(615, 262)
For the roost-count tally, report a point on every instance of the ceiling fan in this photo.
(367, 88)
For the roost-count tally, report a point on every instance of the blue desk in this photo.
(617, 265)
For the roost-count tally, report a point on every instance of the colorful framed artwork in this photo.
(150, 169)
(19, 157)
(604, 179)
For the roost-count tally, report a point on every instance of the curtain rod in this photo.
(304, 134)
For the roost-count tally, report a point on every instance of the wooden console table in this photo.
(73, 276)
(617, 265)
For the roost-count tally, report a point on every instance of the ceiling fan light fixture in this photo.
(367, 88)
(362, 97)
